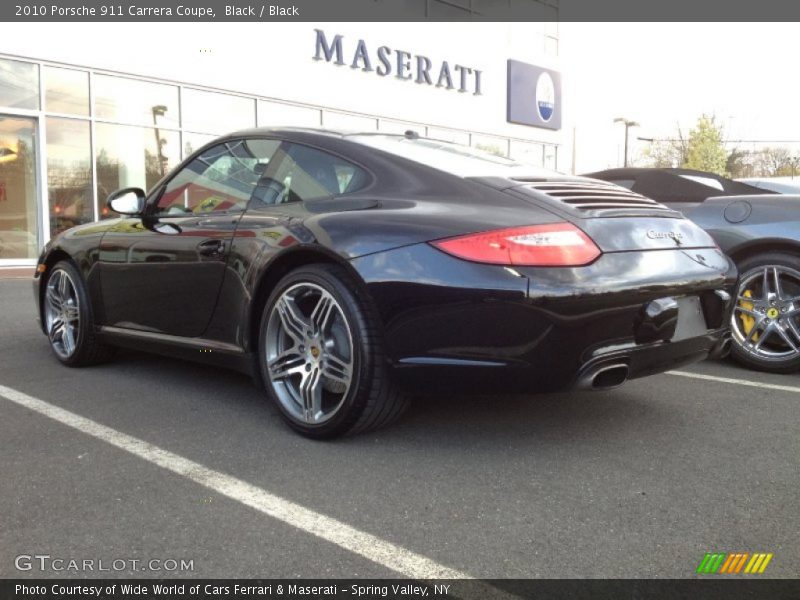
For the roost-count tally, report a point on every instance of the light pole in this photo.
(159, 111)
(628, 124)
(794, 162)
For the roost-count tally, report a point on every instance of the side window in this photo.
(221, 179)
(308, 174)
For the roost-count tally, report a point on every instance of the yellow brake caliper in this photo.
(748, 322)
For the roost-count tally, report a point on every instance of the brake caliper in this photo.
(748, 322)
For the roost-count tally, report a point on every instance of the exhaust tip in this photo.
(604, 377)
(610, 377)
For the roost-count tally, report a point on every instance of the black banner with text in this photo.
(401, 589)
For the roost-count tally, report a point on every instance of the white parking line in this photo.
(391, 556)
(745, 382)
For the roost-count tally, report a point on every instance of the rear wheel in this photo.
(766, 318)
(321, 355)
(68, 318)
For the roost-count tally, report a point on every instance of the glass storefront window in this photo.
(449, 135)
(69, 173)
(66, 91)
(529, 153)
(551, 46)
(275, 114)
(335, 120)
(130, 157)
(19, 84)
(490, 144)
(135, 102)
(400, 127)
(194, 141)
(212, 112)
(551, 157)
(18, 198)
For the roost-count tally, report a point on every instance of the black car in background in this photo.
(760, 231)
(346, 271)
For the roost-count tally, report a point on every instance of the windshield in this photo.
(453, 158)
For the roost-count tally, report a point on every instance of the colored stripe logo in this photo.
(719, 563)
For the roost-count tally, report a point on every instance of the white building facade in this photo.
(89, 108)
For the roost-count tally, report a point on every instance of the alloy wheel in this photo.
(62, 313)
(309, 353)
(766, 318)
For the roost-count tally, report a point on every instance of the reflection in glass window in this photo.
(69, 174)
(529, 153)
(343, 121)
(221, 179)
(448, 135)
(135, 102)
(213, 112)
(19, 84)
(400, 127)
(309, 174)
(192, 142)
(18, 205)
(551, 46)
(550, 157)
(66, 91)
(276, 114)
(130, 157)
(492, 145)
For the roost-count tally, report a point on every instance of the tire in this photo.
(321, 355)
(766, 329)
(68, 318)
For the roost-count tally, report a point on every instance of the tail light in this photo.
(552, 245)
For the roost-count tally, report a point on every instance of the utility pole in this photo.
(628, 124)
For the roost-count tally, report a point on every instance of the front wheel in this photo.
(766, 318)
(68, 318)
(321, 355)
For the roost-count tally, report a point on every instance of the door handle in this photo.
(211, 248)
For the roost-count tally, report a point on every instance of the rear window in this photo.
(707, 181)
(452, 158)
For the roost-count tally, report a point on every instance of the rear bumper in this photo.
(643, 360)
(469, 327)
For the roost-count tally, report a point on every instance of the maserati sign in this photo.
(385, 61)
(534, 95)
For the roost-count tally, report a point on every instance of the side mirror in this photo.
(127, 201)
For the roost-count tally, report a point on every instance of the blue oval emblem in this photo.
(545, 96)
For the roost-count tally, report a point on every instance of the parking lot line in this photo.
(745, 382)
(387, 554)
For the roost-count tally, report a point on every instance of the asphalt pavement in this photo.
(637, 482)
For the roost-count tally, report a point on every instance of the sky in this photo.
(663, 75)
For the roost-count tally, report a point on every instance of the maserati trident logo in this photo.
(663, 235)
(545, 96)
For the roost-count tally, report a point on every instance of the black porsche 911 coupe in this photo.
(346, 271)
(760, 230)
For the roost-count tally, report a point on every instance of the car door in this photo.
(162, 272)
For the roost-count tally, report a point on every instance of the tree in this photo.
(662, 153)
(739, 164)
(705, 150)
(774, 162)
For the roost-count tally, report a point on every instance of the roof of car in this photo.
(677, 185)
(338, 133)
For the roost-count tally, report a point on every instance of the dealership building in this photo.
(89, 108)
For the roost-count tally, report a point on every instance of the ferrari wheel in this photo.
(321, 355)
(766, 318)
(68, 320)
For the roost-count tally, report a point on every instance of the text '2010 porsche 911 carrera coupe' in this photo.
(348, 271)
